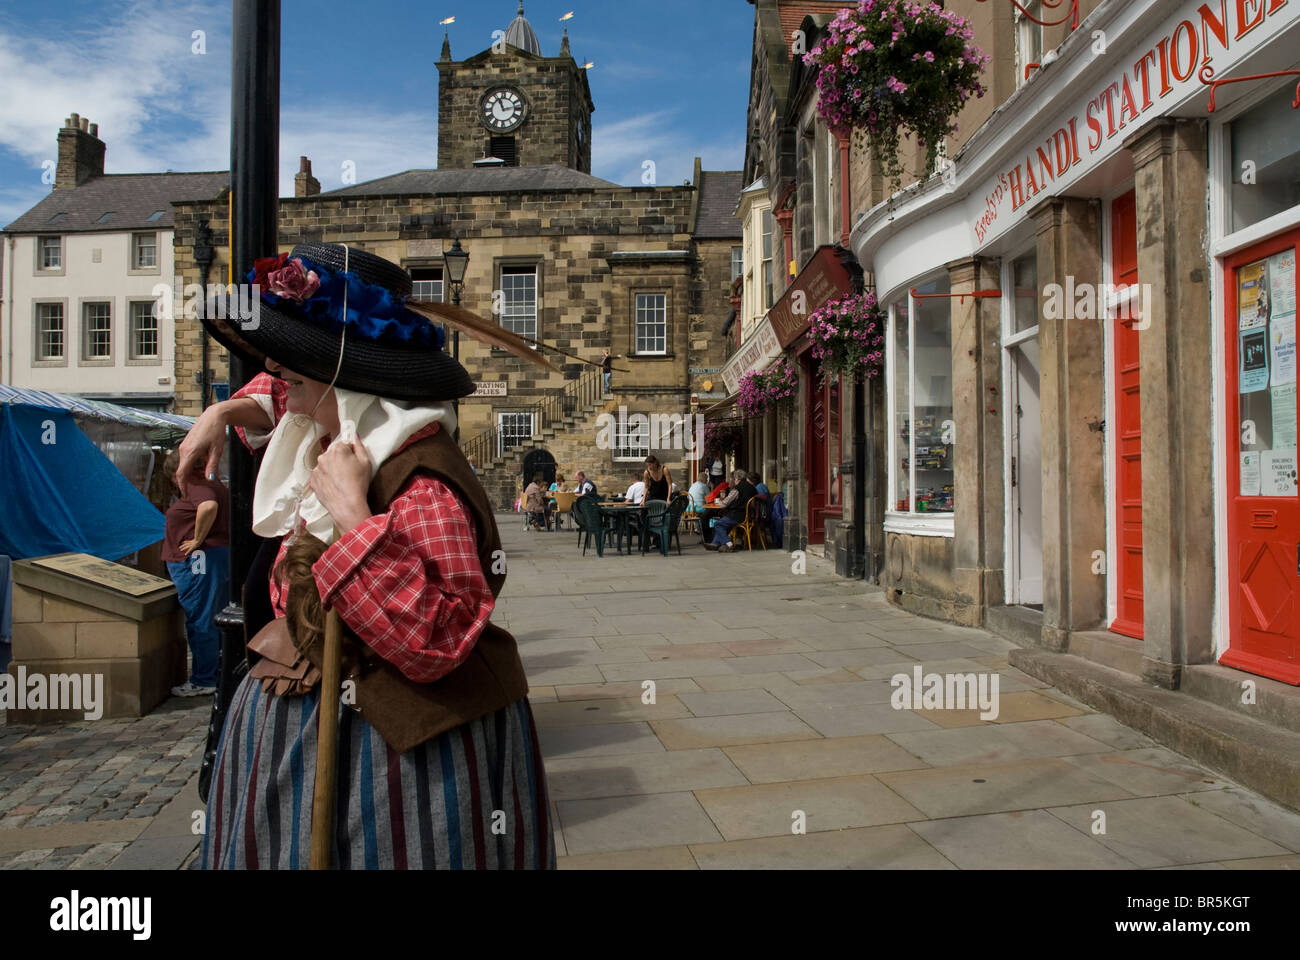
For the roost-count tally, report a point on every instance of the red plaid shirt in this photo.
(407, 582)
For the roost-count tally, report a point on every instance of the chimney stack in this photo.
(81, 153)
(304, 184)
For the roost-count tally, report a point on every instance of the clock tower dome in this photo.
(513, 104)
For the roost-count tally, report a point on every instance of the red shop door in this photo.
(1263, 505)
(816, 454)
(1128, 429)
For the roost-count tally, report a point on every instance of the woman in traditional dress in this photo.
(382, 522)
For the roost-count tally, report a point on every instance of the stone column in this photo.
(977, 453)
(1071, 391)
(1169, 159)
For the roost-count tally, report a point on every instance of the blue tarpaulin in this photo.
(60, 494)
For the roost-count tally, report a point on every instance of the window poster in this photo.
(1281, 341)
(1254, 360)
(1252, 299)
(1279, 473)
(1284, 416)
(1250, 474)
(1281, 283)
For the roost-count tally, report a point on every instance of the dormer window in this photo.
(156, 216)
(107, 217)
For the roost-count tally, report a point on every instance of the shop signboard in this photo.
(824, 278)
(756, 353)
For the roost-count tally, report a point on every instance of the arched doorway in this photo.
(539, 461)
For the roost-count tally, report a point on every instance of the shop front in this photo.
(820, 457)
(1091, 373)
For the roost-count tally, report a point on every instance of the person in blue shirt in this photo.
(760, 488)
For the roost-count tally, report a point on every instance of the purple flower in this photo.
(293, 282)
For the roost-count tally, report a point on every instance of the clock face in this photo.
(503, 110)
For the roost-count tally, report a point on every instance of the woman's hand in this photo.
(341, 480)
(204, 444)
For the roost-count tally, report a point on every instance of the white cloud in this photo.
(620, 150)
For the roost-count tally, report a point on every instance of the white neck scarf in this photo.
(283, 502)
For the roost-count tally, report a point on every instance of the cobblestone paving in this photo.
(89, 772)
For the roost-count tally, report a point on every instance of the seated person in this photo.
(636, 492)
(759, 486)
(584, 487)
(719, 491)
(535, 502)
(699, 492)
(737, 498)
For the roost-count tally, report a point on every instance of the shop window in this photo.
(1265, 148)
(1024, 274)
(921, 407)
(1266, 378)
(834, 497)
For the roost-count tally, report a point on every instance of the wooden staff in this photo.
(325, 799)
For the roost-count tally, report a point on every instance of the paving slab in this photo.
(892, 847)
(602, 711)
(1023, 840)
(731, 702)
(774, 809)
(1252, 812)
(1165, 831)
(664, 858)
(584, 778)
(621, 689)
(993, 743)
(629, 823)
(855, 720)
(1149, 771)
(821, 759)
(604, 740)
(731, 730)
(997, 787)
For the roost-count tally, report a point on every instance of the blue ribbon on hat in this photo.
(372, 312)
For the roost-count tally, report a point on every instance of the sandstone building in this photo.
(572, 261)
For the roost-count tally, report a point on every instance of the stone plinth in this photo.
(64, 626)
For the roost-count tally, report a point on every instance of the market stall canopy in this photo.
(161, 426)
(62, 495)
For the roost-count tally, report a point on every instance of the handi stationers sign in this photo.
(754, 354)
(1206, 37)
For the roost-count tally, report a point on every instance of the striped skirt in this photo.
(472, 798)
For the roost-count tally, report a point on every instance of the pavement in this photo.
(710, 711)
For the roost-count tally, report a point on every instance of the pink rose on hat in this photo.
(293, 281)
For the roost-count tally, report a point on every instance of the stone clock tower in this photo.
(513, 104)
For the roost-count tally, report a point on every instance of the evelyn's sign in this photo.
(1204, 37)
(755, 354)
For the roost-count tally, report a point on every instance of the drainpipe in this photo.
(9, 288)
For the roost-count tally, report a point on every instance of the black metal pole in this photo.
(455, 342)
(254, 233)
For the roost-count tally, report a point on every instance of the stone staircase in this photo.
(568, 426)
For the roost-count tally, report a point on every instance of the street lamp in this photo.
(456, 262)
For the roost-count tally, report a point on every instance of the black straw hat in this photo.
(387, 350)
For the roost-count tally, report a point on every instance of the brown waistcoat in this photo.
(406, 713)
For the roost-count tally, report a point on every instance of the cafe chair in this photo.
(590, 524)
(563, 507)
(676, 511)
(754, 526)
(654, 523)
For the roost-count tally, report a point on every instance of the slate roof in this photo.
(550, 177)
(132, 198)
(719, 195)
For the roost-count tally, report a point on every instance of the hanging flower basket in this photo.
(848, 336)
(889, 66)
(774, 390)
(722, 438)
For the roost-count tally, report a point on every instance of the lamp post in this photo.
(456, 262)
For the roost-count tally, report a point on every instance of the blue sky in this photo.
(359, 83)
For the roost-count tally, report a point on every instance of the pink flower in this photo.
(293, 282)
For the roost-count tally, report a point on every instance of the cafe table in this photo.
(621, 514)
